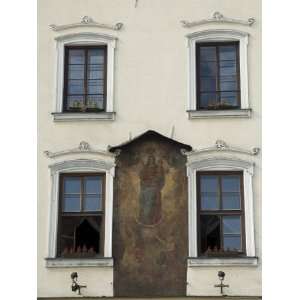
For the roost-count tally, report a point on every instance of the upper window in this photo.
(220, 213)
(218, 76)
(81, 217)
(85, 79)
(218, 85)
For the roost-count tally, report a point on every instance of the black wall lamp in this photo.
(75, 286)
(221, 276)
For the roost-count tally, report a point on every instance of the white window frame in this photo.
(217, 35)
(79, 166)
(84, 39)
(220, 164)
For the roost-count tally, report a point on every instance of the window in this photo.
(220, 213)
(81, 217)
(85, 79)
(217, 75)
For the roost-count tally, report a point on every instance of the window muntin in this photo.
(81, 215)
(217, 75)
(85, 78)
(220, 213)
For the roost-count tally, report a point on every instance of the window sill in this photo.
(77, 262)
(222, 261)
(226, 113)
(89, 116)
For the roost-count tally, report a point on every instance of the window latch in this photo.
(75, 286)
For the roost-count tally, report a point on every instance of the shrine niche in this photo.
(150, 217)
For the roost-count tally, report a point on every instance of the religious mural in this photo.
(150, 218)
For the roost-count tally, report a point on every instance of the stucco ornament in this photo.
(217, 17)
(220, 145)
(83, 147)
(86, 21)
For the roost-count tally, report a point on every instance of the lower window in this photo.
(81, 215)
(220, 213)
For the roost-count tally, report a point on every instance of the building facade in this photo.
(149, 178)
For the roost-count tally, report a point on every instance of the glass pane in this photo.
(208, 84)
(232, 243)
(209, 201)
(96, 56)
(229, 98)
(208, 100)
(75, 102)
(92, 203)
(95, 101)
(95, 72)
(76, 56)
(76, 72)
(228, 83)
(227, 52)
(210, 233)
(95, 87)
(231, 200)
(71, 203)
(93, 185)
(75, 87)
(207, 53)
(71, 185)
(208, 69)
(227, 68)
(231, 183)
(209, 183)
(231, 224)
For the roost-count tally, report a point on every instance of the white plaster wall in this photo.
(150, 93)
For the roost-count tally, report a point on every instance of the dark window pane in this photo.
(209, 183)
(227, 68)
(208, 84)
(208, 99)
(95, 87)
(95, 72)
(71, 185)
(76, 56)
(229, 98)
(231, 183)
(232, 243)
(92, 203)
(75, 102)
(75, 87)
(71, 203)
(207, 53)
(208, 69)
(76, 72)
(231, 224)
(209, 193)
(210, 233)
(227, 52)
(96, 56)
(95, 101)
(93, 185)
(228, 83)
(231, 200)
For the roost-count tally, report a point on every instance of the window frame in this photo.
(217, 91)
(221, 212)
(105, 165)
(66, 73)
(216, 36)
(62, 214)
(84, 39)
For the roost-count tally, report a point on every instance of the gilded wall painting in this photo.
(150, 243)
